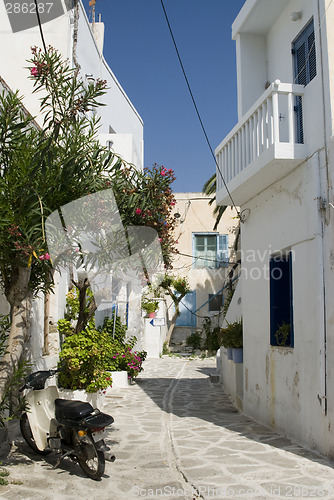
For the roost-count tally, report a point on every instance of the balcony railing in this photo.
(268, 137)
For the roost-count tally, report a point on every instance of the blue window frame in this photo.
(210, 250)
(281, 297)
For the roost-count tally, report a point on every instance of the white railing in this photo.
(271, 120)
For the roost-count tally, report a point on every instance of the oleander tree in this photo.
(42, 168)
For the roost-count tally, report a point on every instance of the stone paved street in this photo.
(176, 436)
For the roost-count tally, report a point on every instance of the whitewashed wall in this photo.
(287, 387)
(119, 113)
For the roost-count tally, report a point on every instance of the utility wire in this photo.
(197, 111)
(40, 26)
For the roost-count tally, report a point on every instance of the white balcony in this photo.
(263, 147)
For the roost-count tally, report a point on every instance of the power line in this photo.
(40, 26)
(197, 257)
(196, 108)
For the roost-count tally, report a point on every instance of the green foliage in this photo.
(129, 361)
(4, 473)
(211, 342)
(282, 334)
(194, 340)
(115, 328)
(44, 168)
(87, 357)
(227, 302)
(232, 335)
(181, 285)
(165, 349)
(176, 287)
(82, 361)
(148, 301)
(65, 328)
(146, 199)
(149, 306)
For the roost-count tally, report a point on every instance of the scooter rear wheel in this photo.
(28, 437)
(91, 460)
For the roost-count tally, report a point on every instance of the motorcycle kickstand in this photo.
(68, 453)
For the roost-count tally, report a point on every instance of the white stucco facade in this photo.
(118, 116)
(286, 209)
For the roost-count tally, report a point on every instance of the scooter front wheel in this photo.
(91, 460)
(28, 437)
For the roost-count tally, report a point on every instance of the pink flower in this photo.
(46, 256)
(173, 203)
(163, 172)
(160, 240)
(34, 71)
(138, 211)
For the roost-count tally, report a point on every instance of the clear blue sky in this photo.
(140, 52)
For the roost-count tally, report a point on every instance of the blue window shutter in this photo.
(305, 65)
(222, 250)
(305, 56)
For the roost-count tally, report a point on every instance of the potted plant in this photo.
(150, 306)
(225, 340)
(232, 338)
(282, 335)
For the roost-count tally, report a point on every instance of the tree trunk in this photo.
(19, 297)
(85, 313)
(176, 299)
(171, 327)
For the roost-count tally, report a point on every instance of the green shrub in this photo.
(211, 342)
(194, 340)
(232, 335)
(282, 334)
(87, 357)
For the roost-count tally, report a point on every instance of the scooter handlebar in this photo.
(36, 380)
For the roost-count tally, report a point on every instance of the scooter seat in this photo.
(72, 410)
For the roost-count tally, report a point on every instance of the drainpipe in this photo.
(322, 397)
(324, 221)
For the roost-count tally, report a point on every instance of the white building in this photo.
(278, 165)
(121, 127)
(204, 256)
(82, 44)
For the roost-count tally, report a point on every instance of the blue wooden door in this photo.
(187, 308)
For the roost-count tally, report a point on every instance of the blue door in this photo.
(187, 308)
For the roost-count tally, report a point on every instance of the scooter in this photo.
(73, 429)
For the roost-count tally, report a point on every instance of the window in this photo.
(215, 302)
(304, 56)
(210, 250)
(305, 69)
(281, 300)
